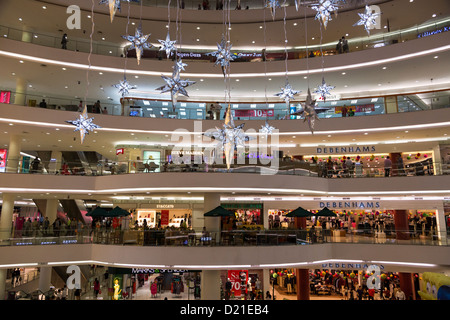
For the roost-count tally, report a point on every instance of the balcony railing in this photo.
(188, 237)
(27, 165)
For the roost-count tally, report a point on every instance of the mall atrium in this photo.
(198, 149)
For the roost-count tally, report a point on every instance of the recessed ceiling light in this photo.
(21, 61)
(312, 38)
(366, 133)
(198, 39)
(384, 68)
(66, 87)
(434, 15)
(270, 79)
(133, 23)
(253, 41)
(260, 27)
(436, 57)
(100, 73)
(103, 38)
(64, 69)
(20, 19)
(305, 77)
(136, 77)
(201, 79)
(237, 80)
(44, 7)
(198, 28)
(13, 73)
(89, 17)
(295, 23)
(343, 73)
(346, 34)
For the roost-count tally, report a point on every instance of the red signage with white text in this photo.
(238, 279)
(164, 217)
(257, 113)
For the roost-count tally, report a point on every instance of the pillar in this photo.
(3, 284)
(441, 227)
(302, 276)
(12, 162)
(45, 278)
(55, 162)
(300, 223)
(6, 215)
(266, 282)
(27, 35)
(51, 210)
(437, 160)
(198, 220)
(406, 283)
(265, 216)
(212, 224)
(395, 160)
(210, 285)
(391, 105)
(21, 90)
(401, 224)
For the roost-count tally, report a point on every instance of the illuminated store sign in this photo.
(337, 150)
(350, 204)
(151, 271)
(165, 206)
(430, 33)
(353, 266)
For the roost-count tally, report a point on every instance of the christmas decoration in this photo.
(367, 19)
(138, 42)
(83, 124)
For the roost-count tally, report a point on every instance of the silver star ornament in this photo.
(138, 42)
(167, 45)
(266, 129)
(223, 55)
(367, 19)
(324, 9)
(287, 93)
(324, 90)
(83, 124)
(309, 112)
(124, 87)
(273, 5)
(114, 5)
(175, 85)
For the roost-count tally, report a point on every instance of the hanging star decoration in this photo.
(138, 42)
(114, 5)
(230, 137)
(309, 112)
(323, 89)
(367, 19)
(223, 55)
(167, 45)
(124, 87)
(324, 9)
(179, 65)
(175, 85)
(273, 5)
(83, 124)
(266, 129)
(297, 4)
(287, 93)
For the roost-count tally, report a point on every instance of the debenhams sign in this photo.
(338, 150)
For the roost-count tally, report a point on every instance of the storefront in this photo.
(248, 216)
(242, 284)
(164, 215)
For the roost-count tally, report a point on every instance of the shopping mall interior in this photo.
(225, 150)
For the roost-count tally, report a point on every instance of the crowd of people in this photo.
(41, 227)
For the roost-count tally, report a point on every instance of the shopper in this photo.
(96, 287)
(64, 41)
(43, 104)
(387, 166)
(344, 111)
(80, 106)
(339, 47)
(344, 45)
(400, 295)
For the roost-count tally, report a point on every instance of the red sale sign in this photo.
(254, 113)
(238, 279)
(164, 217)
(3, 153)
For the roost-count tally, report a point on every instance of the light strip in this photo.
(235, 75)
(140, 265)
(75, 262)
(18, 265)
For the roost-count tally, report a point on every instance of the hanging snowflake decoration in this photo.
(309, 112)
(175, 85)
(266, 129)
(223, 55)
(287, 93)
(138, 42)
(272, 5)
(114, 5)
(167, 45)
(124, 87)
(324, 9)
(83, 124)
(323, 90)
(179, 66)
(368, 19)
(230, 137)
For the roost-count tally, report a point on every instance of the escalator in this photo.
(71, 208)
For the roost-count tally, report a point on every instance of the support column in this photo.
(12, 162)
(391, 105)
(212, 224)
(265, 214)
(210, 285)
(198, 221)
(45, 278)
(3, 284)
(266, 282)
(401, 224)
(51, 210)
(55, 162)
(437, 160)
(302, 284)
(395, 163)
(6, 215)
(441, 227)
(406, 283)
(21, 90)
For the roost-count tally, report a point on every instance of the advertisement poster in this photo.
(257, 113)
(238, 279)
(164, 217)
(360, 108)
(152, 160)
(5, 96)
(26, 161)
(3, 153)
(117, 287)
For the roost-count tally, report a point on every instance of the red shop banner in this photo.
(3, 153)
(5, 96)
(164, 217)
(238, 279)
(254, 113)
